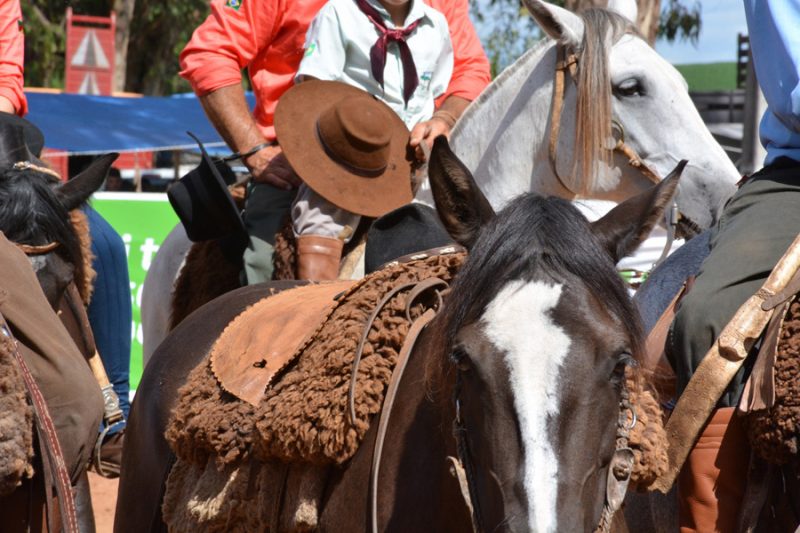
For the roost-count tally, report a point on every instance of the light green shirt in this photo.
(338, 44)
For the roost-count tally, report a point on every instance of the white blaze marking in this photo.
(517, 322)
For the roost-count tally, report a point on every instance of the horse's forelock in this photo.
(602, 29)
(534, 237)
(33, 214)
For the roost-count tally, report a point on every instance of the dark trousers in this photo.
(266, 210)
(110, 308)
(756, 227)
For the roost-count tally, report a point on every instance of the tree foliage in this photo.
(158, 34)
(507, 30)
(158, 31)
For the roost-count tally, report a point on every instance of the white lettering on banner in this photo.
(126, 238)
(139, 292)
(133, 292)
(148, 249)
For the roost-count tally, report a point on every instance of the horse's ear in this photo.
(76, 191)
(624, 228)
(626, 8)
(558, 23)
(461, 205)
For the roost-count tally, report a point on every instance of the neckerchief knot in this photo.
(377, 54)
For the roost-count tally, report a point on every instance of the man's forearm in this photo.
(228, 111)
(6, 106)
(455, 105)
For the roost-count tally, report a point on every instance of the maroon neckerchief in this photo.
(377, 54)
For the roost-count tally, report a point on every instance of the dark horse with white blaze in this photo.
(538, 387)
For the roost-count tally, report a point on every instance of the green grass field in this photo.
(710, 76)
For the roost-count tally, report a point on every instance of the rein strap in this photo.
(41, 249)
(394, 383)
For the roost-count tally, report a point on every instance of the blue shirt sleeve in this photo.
(774, 27)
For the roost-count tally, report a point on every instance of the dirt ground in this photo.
(104, 501)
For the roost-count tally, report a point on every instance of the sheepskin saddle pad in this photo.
(772, 394)
(301, 415)
(16, 421)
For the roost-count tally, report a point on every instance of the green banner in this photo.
(143, 220)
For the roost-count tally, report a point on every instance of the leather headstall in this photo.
(567, 61)
(619, 474)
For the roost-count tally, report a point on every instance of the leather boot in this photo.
(713, 479)
(318, 257)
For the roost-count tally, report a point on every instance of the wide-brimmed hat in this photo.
(346, 145)
(20, 140)
(203, 202)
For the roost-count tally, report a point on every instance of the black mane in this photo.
(534, 237)
(31, 212)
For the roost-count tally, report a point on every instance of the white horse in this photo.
(504, 136)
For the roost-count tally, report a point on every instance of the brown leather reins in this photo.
(42, 249)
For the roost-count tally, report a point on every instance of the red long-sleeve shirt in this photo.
(267, 37)
(12, 54)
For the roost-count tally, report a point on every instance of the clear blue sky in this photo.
(722, 21)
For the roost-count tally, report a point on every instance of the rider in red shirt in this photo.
(12, 53)
(267, 37)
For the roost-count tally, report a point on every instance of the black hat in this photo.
(406, 230)
(203, 202)
(20, 140)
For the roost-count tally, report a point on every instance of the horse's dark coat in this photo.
(146, 454)
(416, 491)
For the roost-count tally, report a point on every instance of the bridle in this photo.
(620, 467)
(42, 249)
(567, 62)
(462, 467)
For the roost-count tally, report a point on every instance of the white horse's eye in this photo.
(628, 88)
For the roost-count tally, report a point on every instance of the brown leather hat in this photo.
(347, 145)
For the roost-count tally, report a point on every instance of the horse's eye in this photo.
(460, 358)
(629, 88)
(624, 360)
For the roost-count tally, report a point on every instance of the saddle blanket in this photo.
(293, 405)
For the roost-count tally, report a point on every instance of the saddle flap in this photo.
(267, 336)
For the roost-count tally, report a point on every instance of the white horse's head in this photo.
(647, 97)
(621, 86)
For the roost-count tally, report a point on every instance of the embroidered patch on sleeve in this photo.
(235, 4)
(310, 50)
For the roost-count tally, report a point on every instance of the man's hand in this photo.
(270, 166)
(426, 132)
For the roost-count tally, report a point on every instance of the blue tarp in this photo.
(88, 125)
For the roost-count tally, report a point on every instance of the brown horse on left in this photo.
(41, 254)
